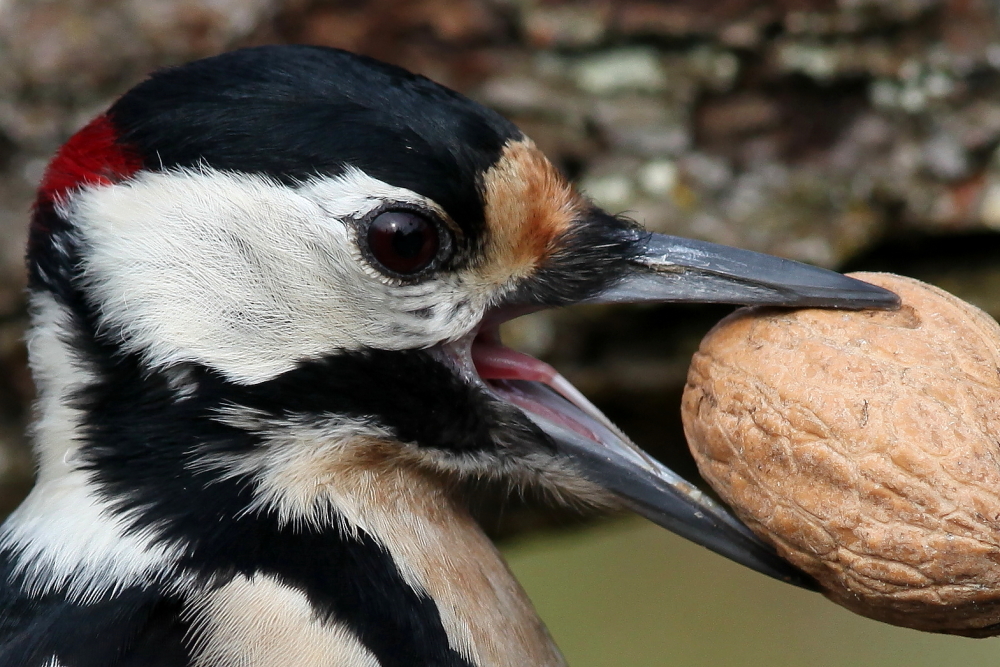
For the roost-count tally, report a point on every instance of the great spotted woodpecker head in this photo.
(261, 273)
(290, 239)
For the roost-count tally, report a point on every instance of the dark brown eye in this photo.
(403, 242)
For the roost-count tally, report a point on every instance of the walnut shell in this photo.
(866, 447)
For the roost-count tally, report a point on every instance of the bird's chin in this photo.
(602, 453)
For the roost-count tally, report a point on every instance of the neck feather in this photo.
(363, 485)
(146, 483)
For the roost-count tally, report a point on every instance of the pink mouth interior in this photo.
(496, 361)
(497, 365)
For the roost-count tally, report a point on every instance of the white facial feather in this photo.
(58, 373)
(248, 276)
(259, 622)
(295, 499)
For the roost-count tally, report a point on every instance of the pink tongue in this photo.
(494, 361)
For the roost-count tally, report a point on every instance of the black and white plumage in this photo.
(265, 289)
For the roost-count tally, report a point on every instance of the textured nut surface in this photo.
(866, 447)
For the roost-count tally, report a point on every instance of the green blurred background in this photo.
(854, 134)
(629, 594)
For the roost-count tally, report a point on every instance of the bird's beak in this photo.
(678, 270)
(667, 269)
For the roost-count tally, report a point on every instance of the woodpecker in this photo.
(265, 294)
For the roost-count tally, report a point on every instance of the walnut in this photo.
(866, 447)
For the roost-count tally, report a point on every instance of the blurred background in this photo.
(853, 134)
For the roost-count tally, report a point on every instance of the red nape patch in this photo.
(92, 156)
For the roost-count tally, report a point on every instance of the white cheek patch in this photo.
(248, 276)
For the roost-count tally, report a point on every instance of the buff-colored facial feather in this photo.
(528, 207)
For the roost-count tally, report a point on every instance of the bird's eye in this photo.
(402, 241)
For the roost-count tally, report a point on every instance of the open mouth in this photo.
(528, 383)
(532, 385)
(544, 395)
